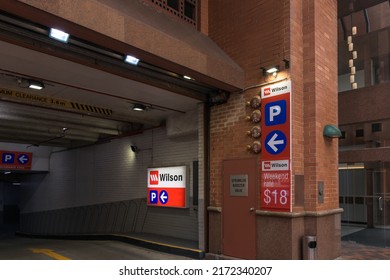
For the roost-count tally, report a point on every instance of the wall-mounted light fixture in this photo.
(273, 70)
(332, 131)
(59, 35)
(139, 107)
(37, 85)
(134, 148)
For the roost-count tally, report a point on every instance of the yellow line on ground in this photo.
(163, 244)
(50, 253)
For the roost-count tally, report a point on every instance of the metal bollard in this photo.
(309, 247)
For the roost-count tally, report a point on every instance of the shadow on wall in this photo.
(116, 217)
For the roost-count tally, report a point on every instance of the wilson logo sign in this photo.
(153, 177)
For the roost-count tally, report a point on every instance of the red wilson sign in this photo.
(276, 147)
(167, 187)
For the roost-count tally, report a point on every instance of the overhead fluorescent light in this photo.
(139, 107)
(187, 77)
(59, 35)
(131, 60)
(37, 85)
(7, 172)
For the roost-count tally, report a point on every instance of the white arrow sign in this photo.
(23, 159)
(163, 197)
(273, 142)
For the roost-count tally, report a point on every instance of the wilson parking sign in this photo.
(167, 187)
(276, 142)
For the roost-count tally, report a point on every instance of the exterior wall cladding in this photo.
(258, 34)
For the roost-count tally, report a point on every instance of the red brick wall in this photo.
(258, 34)
(252, 32)
(203, 16)
(255, 34)
(320, 101)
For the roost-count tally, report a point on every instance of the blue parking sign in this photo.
(8, 158)
(153, 197)
(275, 113)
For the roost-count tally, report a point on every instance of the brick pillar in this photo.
(265, 33)
(319, 80)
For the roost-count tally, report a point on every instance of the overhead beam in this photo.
(347, 7)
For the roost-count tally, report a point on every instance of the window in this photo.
(183, 9)
(359, 132)
(189, 9)
(376, 127)
(174, 4)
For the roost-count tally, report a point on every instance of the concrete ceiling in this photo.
(79, 105)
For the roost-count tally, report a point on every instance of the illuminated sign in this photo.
(15, 160)
(167, 187)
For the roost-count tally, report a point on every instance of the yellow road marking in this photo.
(50, 253)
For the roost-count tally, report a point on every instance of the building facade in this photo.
(363, 119)
(262, 175)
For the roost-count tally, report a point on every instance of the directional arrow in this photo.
(275, 142)
(163, 197)
(23, 159)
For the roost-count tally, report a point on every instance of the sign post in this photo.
(276, 143)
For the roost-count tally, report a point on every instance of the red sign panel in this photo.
(275, 191)
(15, 160)
(167, 197)
(276, 147)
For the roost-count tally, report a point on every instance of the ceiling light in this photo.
(139, 107)
(187, 77)
(37, 85)
(131, 60)
(59, 35)
(7, 172)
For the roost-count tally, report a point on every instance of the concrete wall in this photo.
(111, 173)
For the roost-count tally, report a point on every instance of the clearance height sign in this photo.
(167, 187)
(276, 151)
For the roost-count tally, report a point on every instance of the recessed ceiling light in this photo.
(139, 107)
(187, 77)
(37, 85)
(131, 60)
(59, 35)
